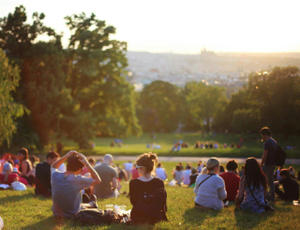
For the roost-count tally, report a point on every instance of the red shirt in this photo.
(134, 173)
(232, 182)
(11, 178)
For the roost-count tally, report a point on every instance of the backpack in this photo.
(280, 156)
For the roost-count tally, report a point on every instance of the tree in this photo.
(204, 102)
(9, 109)
(104, 102)
(159, 107)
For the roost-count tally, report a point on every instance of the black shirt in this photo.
(270, 145)
(148, 201)
(291, 189)
(43, 179)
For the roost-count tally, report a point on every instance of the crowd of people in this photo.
(75, 182)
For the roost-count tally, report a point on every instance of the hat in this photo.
(212, 163)
(7, 167)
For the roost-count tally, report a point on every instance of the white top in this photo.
(211, 192)
(128, 166)
(161, 173)
(186, 176)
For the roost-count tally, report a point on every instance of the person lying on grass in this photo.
(147, 193)
(67, 187)
(210, 188)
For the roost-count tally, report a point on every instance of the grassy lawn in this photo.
(23, 210)
(137, 145)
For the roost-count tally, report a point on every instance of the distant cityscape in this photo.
(230, 70)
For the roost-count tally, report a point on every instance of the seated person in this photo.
(193, 177)
(186, 174)
(109, 176)
(67, 187)
(7, 176)
(25, 166)
(252, 189)
(134, 172)
(43, 175)
(178, 175)
(210, 188)
(290, 186)
(147, 193)
(231, 179)
(160, 172)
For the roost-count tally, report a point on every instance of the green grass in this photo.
(23, 210)
(137, 145)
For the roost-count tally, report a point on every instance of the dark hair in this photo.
(158, 165)
(92, 161)
(254, 174)
(194, 170)
(52, 155)
(188, 166)
(147, 160)
(231, 165)
(222, 168)
(23, 151)
(178, 168)
(265, 131)
(284, 172)
(74, 164)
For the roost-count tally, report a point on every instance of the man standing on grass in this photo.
(67, 187)
(268, 160)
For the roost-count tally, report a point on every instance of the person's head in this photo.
(159, 165)
(231, 165)
(194, 170)
(34, 160)
(254, 174)
(92, 161)
(146, 163)
(199, 163)
(265, 133)
(108, 159)
(213, 165)
(74, 164)
(284, 173)
(7, 168)
(221, 169)
(188, 167)
(177, 168)
(52, 157)
(22, 154)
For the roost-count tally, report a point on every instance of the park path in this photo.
(194, 159)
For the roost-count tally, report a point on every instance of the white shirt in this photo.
(186, 176)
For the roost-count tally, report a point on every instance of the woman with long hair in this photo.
(253, 187)
(25, 166)
(147, 193)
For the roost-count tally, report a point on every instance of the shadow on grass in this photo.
(15, 198)
(249, 220)
(46, 224)
(198, 215)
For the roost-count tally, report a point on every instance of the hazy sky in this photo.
(184, 26)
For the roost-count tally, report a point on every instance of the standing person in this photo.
(210, 188)
(67, 187)
(109, 176)
(147, 193)
(268, 160)
(43, 175)
(25, 165)
(252, 188)
(231, 179)
(160, 172)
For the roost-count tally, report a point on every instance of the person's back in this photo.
(106, 173)
(178, 176)
(186, 176)
(160, 173)
(291, 189)
(211, 192)
(232, 182)
(43, 177)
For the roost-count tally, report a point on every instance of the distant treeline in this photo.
(49, 93)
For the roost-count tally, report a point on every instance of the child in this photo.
(290, 186)
(178, 175)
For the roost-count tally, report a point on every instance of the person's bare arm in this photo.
(61, 160)
(264, 157)
(114, 183)
(90, 168)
